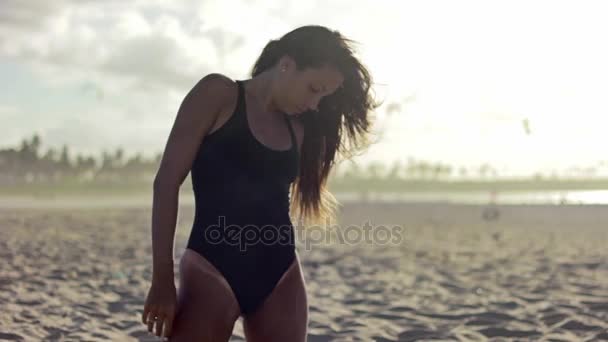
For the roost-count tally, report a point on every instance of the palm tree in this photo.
(374, 170)
(118, 157)
(65, 165)
(395, 171)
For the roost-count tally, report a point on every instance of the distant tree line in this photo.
(28, 163)
(414, 170)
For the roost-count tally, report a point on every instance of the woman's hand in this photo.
(160, 307)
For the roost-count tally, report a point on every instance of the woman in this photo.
(257, 150)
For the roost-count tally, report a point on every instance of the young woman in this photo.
(258, 151)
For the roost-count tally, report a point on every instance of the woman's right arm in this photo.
(196, 115)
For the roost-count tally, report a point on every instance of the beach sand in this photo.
(537, 273)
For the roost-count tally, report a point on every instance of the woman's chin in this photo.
(291, 112)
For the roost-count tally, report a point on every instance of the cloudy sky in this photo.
(465, 76)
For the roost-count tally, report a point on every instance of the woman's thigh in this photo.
(284, 314)
(206, 307)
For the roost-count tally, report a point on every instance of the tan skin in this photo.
(205, 309)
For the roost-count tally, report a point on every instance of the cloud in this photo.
(27, 15)
(162, 46)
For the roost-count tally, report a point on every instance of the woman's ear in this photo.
(287, 63)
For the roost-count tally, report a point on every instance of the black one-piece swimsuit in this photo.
(242, 193)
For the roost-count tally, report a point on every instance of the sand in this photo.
(537, 273)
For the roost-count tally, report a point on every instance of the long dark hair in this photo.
(347, 110)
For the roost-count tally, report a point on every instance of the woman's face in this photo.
(302, 90)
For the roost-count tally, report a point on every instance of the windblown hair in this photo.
(347, 111)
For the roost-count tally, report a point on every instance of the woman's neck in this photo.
(260, 88)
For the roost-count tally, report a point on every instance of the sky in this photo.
(520, 85)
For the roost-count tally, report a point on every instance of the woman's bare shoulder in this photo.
(223, 89)
(218, 85)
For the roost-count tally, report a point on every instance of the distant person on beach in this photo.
(259, 151)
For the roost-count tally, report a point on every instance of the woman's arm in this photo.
(197, 114)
